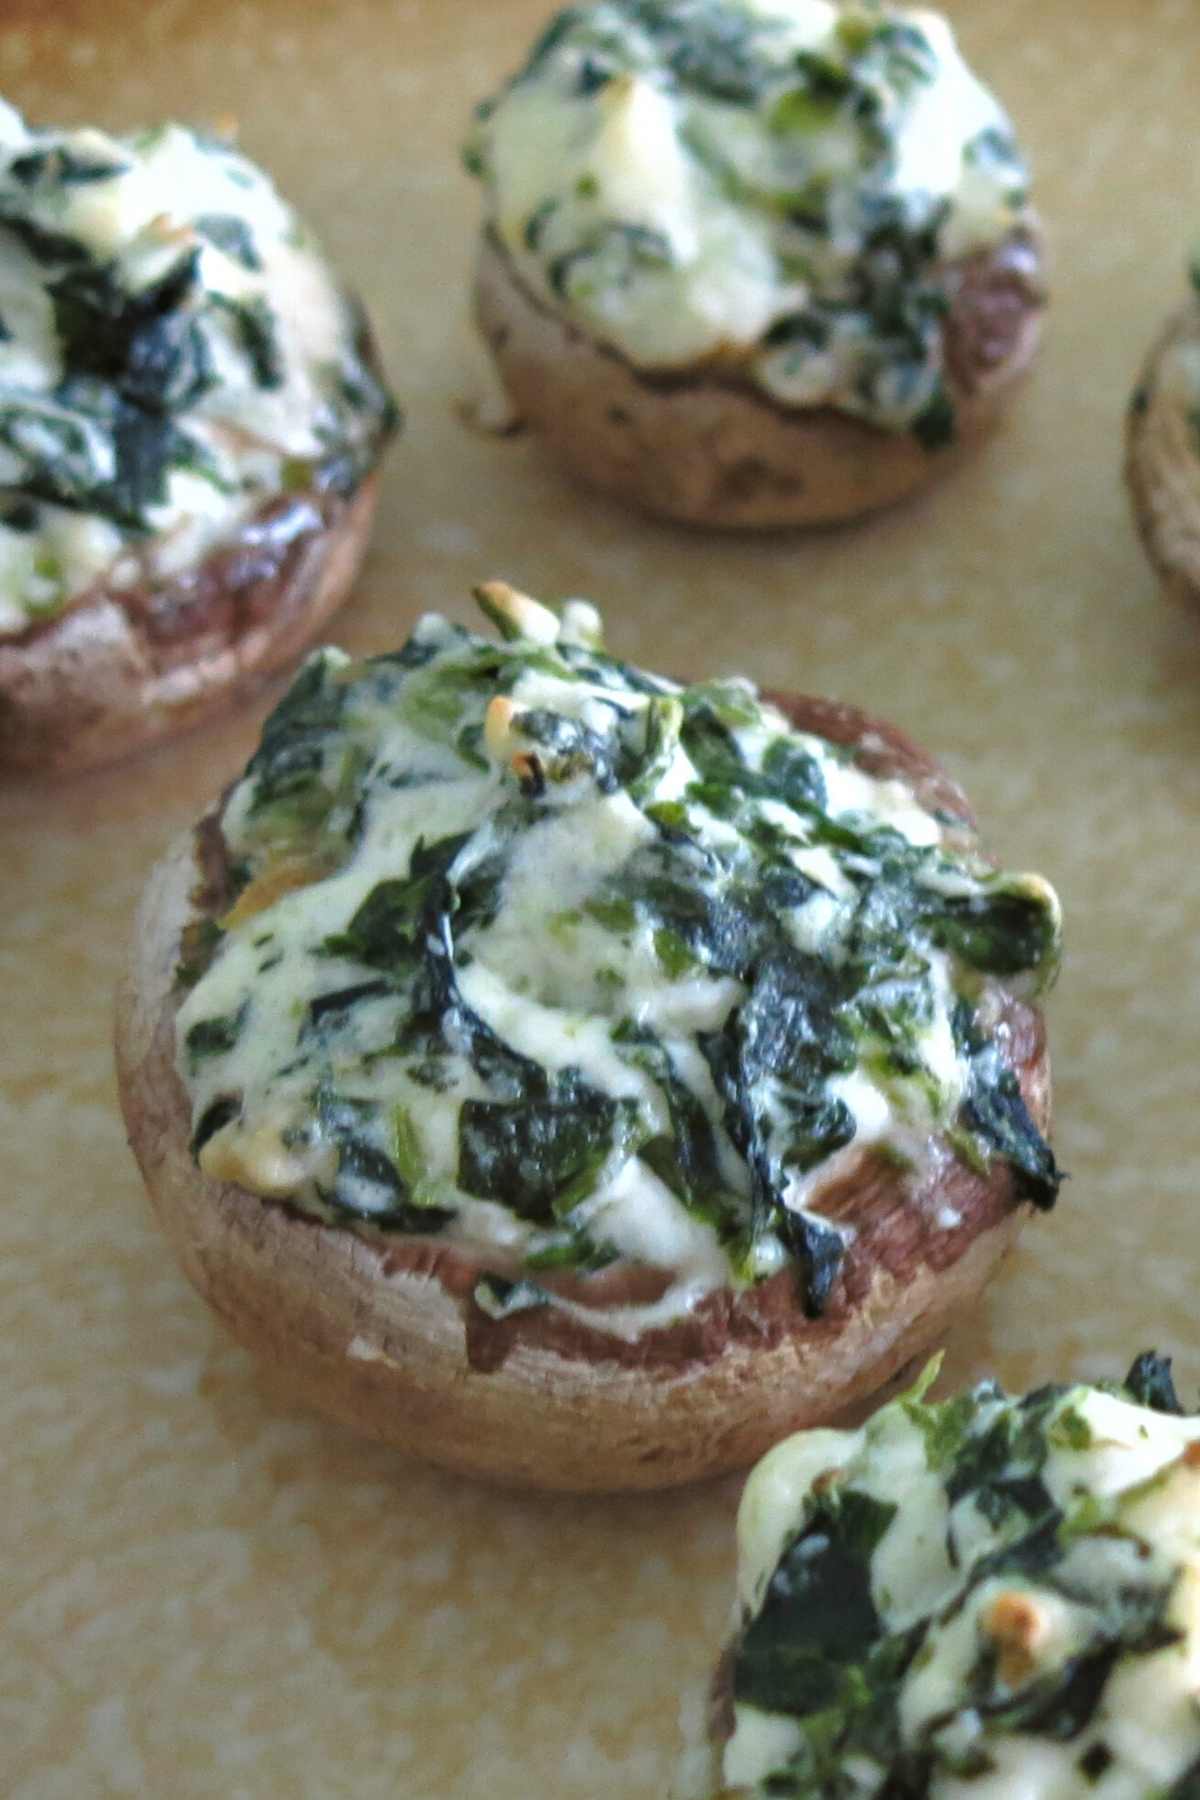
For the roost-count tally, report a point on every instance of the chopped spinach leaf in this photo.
(214, 1037)
(625, 248)
(441, 1022)
(1150, 1383)
(792, 1027)
(1070, 1430)
(535, 224)
(664, 718)
(45, 246)
(818, 1248)
(63, 454)
(221, 1112)
(256, 335)
(305, 775)
(1095, 1761)
(20, 515)
(568, 749)
(332, 1009)
(569, 1246)
(60, 166)
(995, 1110)
(368, 1183)
(997, 930)
(538, 1157)
(794, 775)
(688, 1161)
(1000, 1466)
(807, 329)
(818, 1621)
(232, 235)
(57, 451)
(944, 1425)
(146, 344)
(385, 932)
(146, 446)
(500, 1298)
(711, 49)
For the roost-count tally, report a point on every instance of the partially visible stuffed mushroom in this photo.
(987, 1596)
(1162, 462)
(191, 414)
(754, 262)
(577, 1078)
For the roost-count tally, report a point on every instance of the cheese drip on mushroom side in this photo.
(564, 961)
(768, 188)
(982, 1599)
(174, 351)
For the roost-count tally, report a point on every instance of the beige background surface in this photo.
(205, 1590)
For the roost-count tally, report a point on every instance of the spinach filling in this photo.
(148, 353)
(692, 1016)
(808, 140)
(820, 1650)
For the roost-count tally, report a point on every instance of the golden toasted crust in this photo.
(711, 450)
(124, 667)
(387, 1338)
(1162, 462)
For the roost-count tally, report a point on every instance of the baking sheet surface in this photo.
(208, 1592)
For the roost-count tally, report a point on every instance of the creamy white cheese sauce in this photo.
(497, 932)
(1123, 1481)
(709, 179)
(173, 349)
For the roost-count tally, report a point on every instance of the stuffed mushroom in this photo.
(982, 1598)
(754, 262)
(191, 416)
(577, 1077)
